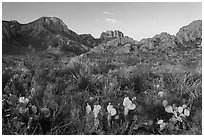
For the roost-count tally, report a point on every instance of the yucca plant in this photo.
(183, 84)
(82, 79)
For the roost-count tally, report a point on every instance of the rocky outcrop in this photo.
(187, 36)
(191, 34)
(111, 34)
(89, 40)
(160, 41)
(162, 49)
(120, 41)
(127, 48)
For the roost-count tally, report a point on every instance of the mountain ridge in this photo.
(52, 31)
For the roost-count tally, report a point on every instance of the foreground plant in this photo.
(128, 105)
(92, 121)
(178, 119)
(111, 112)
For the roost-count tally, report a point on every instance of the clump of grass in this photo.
(183, 84)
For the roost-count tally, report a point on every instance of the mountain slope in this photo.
(191, 34)
(161, 49)
(39, 35)
(89, 40)
(51, 34)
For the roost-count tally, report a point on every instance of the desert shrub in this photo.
(82, 79)
(61, 100)
(6, 76)
(183, 83)
(102, 67)
(132, 60)
(138, 78)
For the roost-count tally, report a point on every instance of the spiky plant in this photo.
(81, 77)
(187, 84)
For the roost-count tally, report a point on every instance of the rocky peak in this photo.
(50, 23)
(54, 21)
(159, 41)
(117, 33)
(191, 33)
(111, 34)
(164, 37)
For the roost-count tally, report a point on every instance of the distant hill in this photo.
(41, 34)
(191, 34)
(160, 50)
(52, 35)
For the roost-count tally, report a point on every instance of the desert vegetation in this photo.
(42, 95)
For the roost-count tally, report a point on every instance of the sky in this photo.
(135, 19)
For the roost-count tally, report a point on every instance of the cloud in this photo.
(108, 13)
(113, 21)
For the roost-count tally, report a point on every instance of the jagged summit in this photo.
(111, 34)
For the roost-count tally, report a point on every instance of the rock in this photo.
(111, 34)
(147, 43)
(191, 34)
(127, 48)
(120, 41)
(117, 34)
(165, 40)
(160, 41)
(89, 40)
